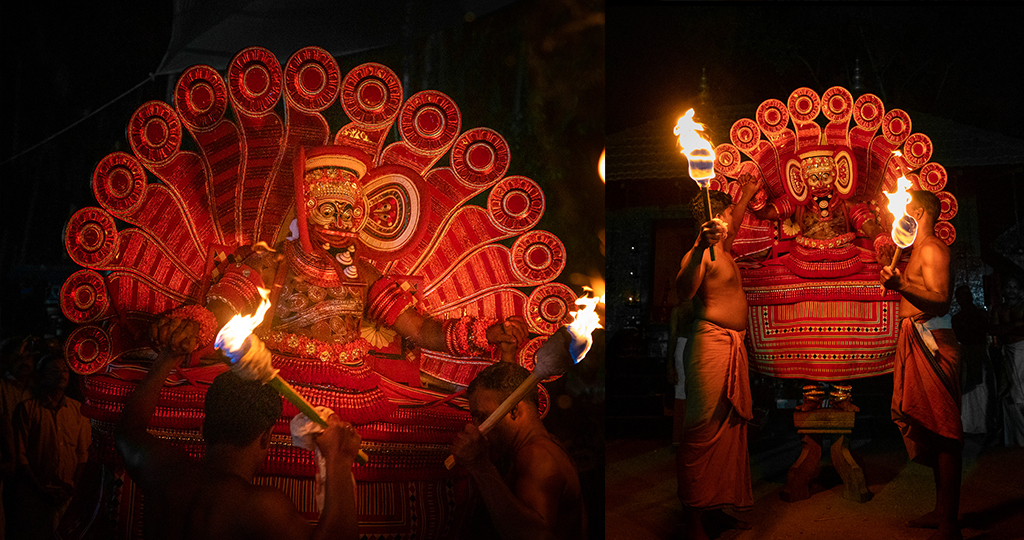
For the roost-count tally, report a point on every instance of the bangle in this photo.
(467, 336)
(201, 316)
(387, 300)
(239, 288)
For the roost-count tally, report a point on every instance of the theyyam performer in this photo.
(388, 287)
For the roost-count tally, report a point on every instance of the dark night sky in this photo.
(957, 60)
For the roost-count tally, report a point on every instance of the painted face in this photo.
(333, 210)
(819, 174)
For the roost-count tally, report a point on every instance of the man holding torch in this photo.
(215, 498)
(713, 465)
(531, 490)
(926, 375)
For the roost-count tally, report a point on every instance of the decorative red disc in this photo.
(83, 297)
(727, 159)
(837, 104)
(804, 105)
(543, 400)
(516, 204)
(896, 126)
(371, 95)
(430, 121)
(917, 150)
(254, 80)
(933, 177)
(154, 132)
(549, 306)
(90, 237)
(527, 356)
(312, 79)
(201, 97)
(946, 232)
(538, 257)
(948, 206)
(745, 134)
(772, 116)
(480, 157)
(88, 349)
(118, 182)
(868, 111)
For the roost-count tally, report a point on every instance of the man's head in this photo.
(490, 387)
(53, 373)
(924, 203)
(819, 173)
(964, 296)
(239, 411)
(720, 203)
(1011, 290)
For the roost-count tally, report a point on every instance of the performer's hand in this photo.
(470, 448)
(891, 279)
(712, 233)
(339, 440)
(175, 336)
(749, 183)
(884, 249)
(508, 336)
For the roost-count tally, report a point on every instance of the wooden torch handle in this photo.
(511, 401)
(306, 408)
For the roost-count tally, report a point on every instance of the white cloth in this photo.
(303, 429)
(1013, 403)
(935, 323)
(681, 383)
(974, 403)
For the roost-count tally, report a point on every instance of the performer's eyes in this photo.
(326, 210)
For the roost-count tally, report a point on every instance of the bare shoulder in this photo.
(545, 457)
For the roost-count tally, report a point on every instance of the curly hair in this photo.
(503, 377)
(238, 410)
(719, 202)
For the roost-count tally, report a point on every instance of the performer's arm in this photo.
(693, 267)
(750, 185)
(527, 510)
(932, 294)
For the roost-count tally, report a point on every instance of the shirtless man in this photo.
(215, 498)
(926, 378)
(712, 463)
(531, 490)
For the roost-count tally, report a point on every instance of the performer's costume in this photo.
(713, 464)
(811, 277)
(244, 205)
(926, 385)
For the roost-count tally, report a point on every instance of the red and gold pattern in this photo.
(839, 283)
(222, 171)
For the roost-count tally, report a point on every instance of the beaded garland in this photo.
(350, 354)
(201, 316)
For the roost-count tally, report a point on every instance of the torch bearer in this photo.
(550, 361)
(700, 157)
(250, 359)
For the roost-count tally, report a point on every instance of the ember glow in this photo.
(585, 321)
(600, 166)
(232, 337)
(700, 154)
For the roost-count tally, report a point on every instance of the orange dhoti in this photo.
(926, 387)
(713, 464)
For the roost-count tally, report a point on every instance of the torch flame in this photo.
(231, 338)
(904, 228)
(600, 166)
(585, 321)
(699, 152)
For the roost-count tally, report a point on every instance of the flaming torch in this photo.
(700, 156)
(576, 337)
(250, 359)
(904, 228)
